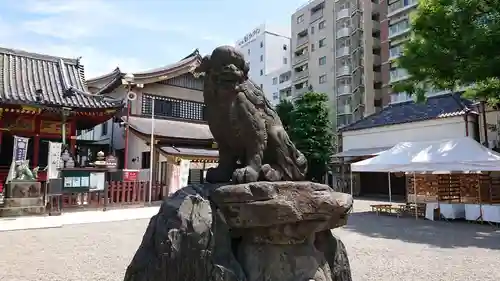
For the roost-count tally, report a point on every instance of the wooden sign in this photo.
(52, 127)
(20, 123)
(111, 162)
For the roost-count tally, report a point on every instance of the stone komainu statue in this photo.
(253, 144)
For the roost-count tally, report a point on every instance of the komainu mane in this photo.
(253, 144)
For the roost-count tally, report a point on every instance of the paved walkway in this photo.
(9, 224)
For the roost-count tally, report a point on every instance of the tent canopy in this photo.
(460, 154)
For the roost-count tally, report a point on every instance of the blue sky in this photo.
(133, 34)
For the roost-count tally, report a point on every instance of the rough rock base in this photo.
(189, 240)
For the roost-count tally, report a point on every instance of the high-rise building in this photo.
(336, 50)
(268, 53)
(395, 27)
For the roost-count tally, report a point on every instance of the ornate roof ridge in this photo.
(38, 56)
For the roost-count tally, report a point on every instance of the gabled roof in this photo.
(36, 79)
(113, 79)
(442, 106)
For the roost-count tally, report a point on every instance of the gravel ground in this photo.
(380, 248)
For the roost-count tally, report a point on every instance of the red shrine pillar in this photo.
(36, 140)
(72, 136)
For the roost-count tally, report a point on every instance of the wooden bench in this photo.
(386, 209)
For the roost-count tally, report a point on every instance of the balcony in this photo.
(343, 32)
(345, 70)
(398, 74)
(377, 60)
(376, 25)
(399, 7)
(301, 74)
(377, 76)
(344, 90)
(301, 58)
(344, 13)
(302, 40)
(341, 52)
(316, 15)
(344, 109)
(299, 92)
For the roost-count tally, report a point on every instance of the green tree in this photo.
(284, 110)
(453, 43)
(310, 129)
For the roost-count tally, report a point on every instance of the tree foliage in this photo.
(310, 129)
(284, 110)
(453, 44)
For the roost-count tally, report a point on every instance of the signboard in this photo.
(52, 127)
(19, 153)
(21, 123)
(111, 162)
(54, 160)
(130, 175)
(184, 173)
(250, 36)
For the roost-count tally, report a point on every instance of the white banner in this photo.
(184, 172)
(19, 153)
(54, 160)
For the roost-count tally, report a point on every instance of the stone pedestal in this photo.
(264, 231)
(23, 198)
(278, 223)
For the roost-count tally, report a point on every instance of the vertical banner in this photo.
(19, 153)
(54, 160)
(184, 172)
(174, 179)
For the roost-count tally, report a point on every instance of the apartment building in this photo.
(336, 50)
(279, 85)
(267, 50)
(395, 31)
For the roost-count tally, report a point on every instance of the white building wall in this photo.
(436, 129)
(267, 52)
(278, 85)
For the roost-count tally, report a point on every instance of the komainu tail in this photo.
(291, 161)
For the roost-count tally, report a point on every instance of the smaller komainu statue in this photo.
(253, 145)
(23, 172)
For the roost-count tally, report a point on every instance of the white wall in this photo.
(436, 129)
(271, 89)
(265, 52)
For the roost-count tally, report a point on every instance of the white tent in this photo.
(460, 154)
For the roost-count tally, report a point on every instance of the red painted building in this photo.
(38, 94)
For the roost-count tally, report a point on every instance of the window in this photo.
(322, 79)
(400, 97)
(312, 29)
(248, 51)
(285, 47)
(170, 107)
(261, 87)
(322, 61)
(276, 96)
(275, 80)
(262, 44)
(145, 159)
(321, 25)
(104, 129)
(285, 61)
(312, 47)
(395, 51)
(261, 57)
(399, 27)
(300, 19)
(322, 42)
(261, 72)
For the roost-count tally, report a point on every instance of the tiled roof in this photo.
(187, 63)
(171, 128)
(30, 78)
(448, 105)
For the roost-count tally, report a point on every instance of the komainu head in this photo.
(225, 64)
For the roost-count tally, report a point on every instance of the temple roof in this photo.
(114, 78)
(171, 128)
(36, 79)
(442, 106)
